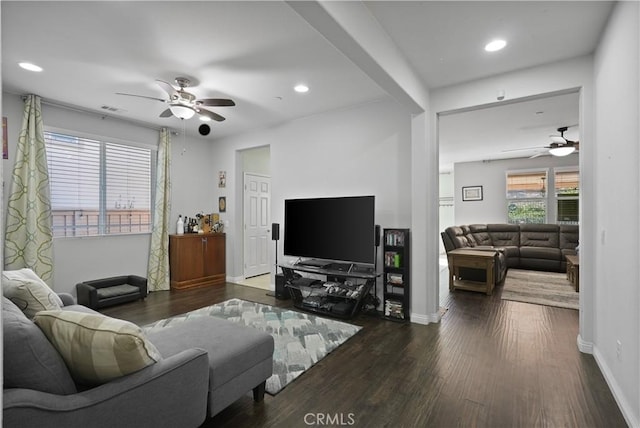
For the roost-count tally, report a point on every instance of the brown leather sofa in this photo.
(525, 246)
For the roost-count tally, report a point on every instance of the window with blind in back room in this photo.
(567, 192)
(526, 196)
(98, 187)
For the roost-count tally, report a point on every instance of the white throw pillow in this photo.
(97, 348)
(28, 292)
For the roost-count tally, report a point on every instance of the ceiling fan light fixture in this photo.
(30, 66)
(495, 45)
(182, 112)
(562, 151)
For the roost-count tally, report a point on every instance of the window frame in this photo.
(103, 139)
(543, 199)
(557, 198)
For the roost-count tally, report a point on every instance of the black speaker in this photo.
(281, 291)
(275, 231)
(204, 129)
(377, 241)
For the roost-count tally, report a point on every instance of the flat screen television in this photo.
(337, 229)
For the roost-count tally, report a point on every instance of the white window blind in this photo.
(567, 192)
(526, 196)
(98, 187)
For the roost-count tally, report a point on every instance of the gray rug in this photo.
(540, 288)
(301, 339)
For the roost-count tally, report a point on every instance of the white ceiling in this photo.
(255, 52)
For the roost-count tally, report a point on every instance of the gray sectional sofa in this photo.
(206, 365)
(525, 246)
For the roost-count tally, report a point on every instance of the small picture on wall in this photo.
(222, 179)
(472, 193)
(222, 204)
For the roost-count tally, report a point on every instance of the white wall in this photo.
(617, 161)
(364, 150)
(79, 259)
(491, 176)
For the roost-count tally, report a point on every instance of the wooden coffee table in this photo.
(573, 271)
(475, 259)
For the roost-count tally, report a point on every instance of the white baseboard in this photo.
(618, 395)
(425, 319)
(584, 346)
(235, 279)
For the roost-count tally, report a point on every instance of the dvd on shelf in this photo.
(393, 309)
(394, 238)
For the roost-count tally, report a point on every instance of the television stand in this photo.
(341, 294)
(322, 264)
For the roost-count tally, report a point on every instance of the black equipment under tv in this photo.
(336, 229)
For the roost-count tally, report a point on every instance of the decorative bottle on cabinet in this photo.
(397, 274)
(180, 226)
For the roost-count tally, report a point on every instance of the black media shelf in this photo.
(396, 276)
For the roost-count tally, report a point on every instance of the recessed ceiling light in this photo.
(29, 66)
(495, 45)
(301, 88)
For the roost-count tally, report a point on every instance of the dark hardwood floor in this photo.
(488, 363)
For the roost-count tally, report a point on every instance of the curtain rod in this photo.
(78, 109)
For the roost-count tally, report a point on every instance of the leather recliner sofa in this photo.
(525, 246)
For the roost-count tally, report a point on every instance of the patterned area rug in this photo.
(301, 340)
(540, 288)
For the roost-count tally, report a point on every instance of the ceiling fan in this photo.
(183, 104)
(559, 145)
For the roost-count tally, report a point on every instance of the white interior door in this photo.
(257, 224)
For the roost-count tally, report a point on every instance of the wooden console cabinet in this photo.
(196, 260)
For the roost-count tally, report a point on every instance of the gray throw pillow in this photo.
(30, 360)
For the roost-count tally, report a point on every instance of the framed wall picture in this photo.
(472, 193)
(222, 179)
(222, 204)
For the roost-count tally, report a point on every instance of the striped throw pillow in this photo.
(97, 348)
(30, 293)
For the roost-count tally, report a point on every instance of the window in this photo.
(567, 193)
(527, 196)
(98, 187)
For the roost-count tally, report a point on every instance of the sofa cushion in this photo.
(117, 290)
(458, 238)
(539, 235)
(97, 348)
(569, 235)
(233, 348)
(504, 235)
(30, 361)
(30, 293)
(540, 253)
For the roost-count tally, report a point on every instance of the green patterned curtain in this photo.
(28, 240)
(158, 269)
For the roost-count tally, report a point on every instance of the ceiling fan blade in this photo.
(168, 88)
(166, 113)
(537, 155)
(142, 96)
(209, 114)
(524, 148)
(216, 102)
